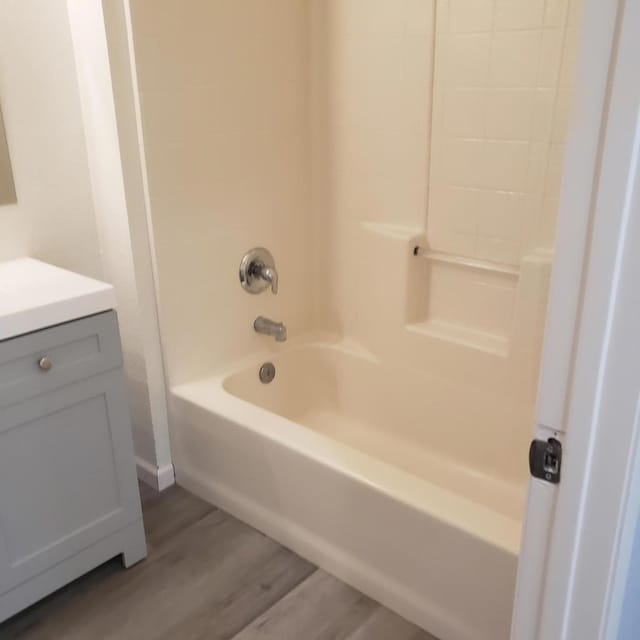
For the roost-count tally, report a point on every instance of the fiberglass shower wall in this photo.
(225, 115)
(438, 130)
(400, 159)
(502, 93)
(481, 173)
(503, 88)
(371, 86)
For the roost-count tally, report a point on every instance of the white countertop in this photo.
(35, 295)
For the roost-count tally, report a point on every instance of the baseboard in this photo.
(160, 478)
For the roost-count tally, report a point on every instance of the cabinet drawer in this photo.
(74, 350)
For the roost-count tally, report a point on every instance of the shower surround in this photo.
(401, 161)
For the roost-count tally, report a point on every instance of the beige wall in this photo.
(371, 78)
(224, 96)
(246, 109)
(53, 218)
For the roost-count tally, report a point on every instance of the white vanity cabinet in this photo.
(68, 489)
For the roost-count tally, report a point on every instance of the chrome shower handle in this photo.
(258, 271)
(270, 275)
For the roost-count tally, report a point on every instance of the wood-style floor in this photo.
(208, 576)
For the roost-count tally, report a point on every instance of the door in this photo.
(571, 529)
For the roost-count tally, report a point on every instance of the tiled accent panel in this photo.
(503, 76)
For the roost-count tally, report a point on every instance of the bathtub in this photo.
(357, 467)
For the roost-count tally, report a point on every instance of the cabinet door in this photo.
(67, 474)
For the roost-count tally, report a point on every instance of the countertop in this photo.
(35, 295)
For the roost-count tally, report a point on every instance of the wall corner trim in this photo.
(160, 478)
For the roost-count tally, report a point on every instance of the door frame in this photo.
(576, 541)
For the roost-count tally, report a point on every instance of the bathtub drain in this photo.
(267, 372)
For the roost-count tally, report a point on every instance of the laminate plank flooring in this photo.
(207, 576)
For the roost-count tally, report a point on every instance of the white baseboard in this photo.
(160, 478)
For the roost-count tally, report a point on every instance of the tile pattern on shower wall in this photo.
(503, 82)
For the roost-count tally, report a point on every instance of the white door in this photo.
(590, 376)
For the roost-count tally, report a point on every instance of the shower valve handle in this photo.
(258, 271)
(268, 274)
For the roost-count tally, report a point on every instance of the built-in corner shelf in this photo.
(482, 306)
(471, 263)
(462, 335)
(463, 301)
(393, 231)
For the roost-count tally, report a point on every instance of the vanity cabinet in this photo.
(68, 489)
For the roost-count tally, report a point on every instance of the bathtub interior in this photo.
(398, 416)
(402, 162)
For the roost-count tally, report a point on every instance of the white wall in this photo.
(66, 166)
(140, 338)
(53, 218)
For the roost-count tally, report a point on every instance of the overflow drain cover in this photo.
(267, 372)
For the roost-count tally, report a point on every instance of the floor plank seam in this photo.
(273, 604)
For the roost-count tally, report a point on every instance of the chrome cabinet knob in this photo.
(45, 363)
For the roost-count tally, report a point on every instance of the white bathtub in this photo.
(354, 466)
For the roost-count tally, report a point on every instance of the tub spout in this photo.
(270, 328)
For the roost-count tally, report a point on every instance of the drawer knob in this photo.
(45, 363)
